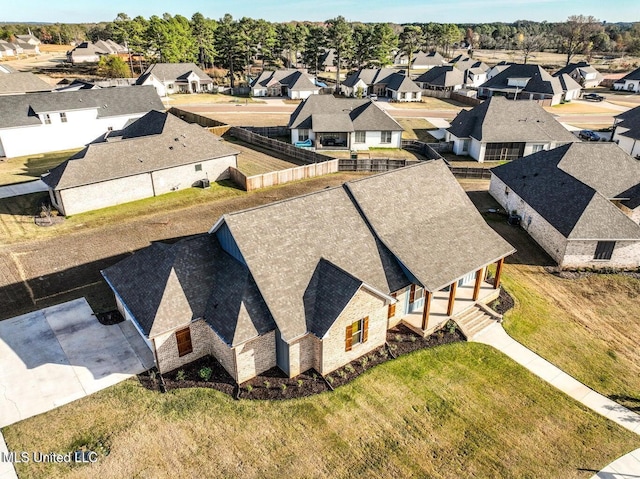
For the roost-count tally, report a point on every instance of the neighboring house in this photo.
(89, 52)
(27, 48)
(446, 78)
(355, 124)
(475, 72)
(328, 61)
(314, 281)
(626, 132)
(156, 154)
(530, 82)
(499, 130)
(580, 202)
(170, 78)
(29, 38)
(420, 60)
(385, 82)
(42, 122)
(294, 84)
(22, 82)
(583, 73)
(629, 82)
(496, 69)
(6, 49)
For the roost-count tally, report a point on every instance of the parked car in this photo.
(373, 97)
(593, 97)
(589, 135)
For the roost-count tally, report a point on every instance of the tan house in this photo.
(580, 202)
(314, 281)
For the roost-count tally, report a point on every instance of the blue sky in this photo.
(399, 11)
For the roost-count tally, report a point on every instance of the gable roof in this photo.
(570, 187)
(500, 120)
(630, 120)
(174, 72)
(540, 81)
(351, 114)
(22, 110)
(22, 82)
(401, 83)
(421, 58)
(634, 75)
(328, 58)
(581, 67)
(294, 80)
(444, 76)
(153, 142)
(567, 83)
(370, 76)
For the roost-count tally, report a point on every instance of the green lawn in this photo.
(30, 167)
(456, 411)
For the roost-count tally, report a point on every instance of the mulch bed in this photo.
(274, 384)
(110, 317)
(504, 302)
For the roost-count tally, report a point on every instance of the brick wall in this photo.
(167, 347)
(401, 296)
(181, 177)
(222, 352)
(255, 356)
(333, 344)
(579, 254)
(304, 354)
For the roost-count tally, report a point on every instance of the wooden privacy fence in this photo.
(431, 151)
(373, 164)
(268, 131)
(250, 183)
(191, 117)
(305, 156)
(471, 173)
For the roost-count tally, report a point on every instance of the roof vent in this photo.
(176, 139)
(171, 147)
(140, 160)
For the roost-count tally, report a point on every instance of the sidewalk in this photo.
(496, 336)
(35, 186)
(625, 467)
(7, 471)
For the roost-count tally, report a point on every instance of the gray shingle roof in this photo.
(363, 113)
(630, 119)
(567, 83)
(571, 68)
(540, 81)
(428, 222)
(442, 76)
(500, 120)
(22, 82)
(21, 110)
(175, 72)
(370, 76)
(401, 83)
(634, 75)
(153, 142)
(294, 80)
(569, 187)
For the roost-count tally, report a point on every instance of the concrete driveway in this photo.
(59, 354)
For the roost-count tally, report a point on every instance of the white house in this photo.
(169, 78)
(475, 72)
(629, 82)
(294, 84)
(344, 123)
(385, 82)
(580, 202)
(420, 60)
(34, 123)
(446, 78)
(583, 73)
(627, 131)
(90, 52)
(499, 129)
(156, 154)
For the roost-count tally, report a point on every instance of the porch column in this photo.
(452, 297)
(476, 287)
(427, 307)
(496, 283)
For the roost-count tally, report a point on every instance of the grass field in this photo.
(429, 103)
(255, 162)
(30, 167)
(204, 98)
(461, 410)
(416, 129)
(241, 118)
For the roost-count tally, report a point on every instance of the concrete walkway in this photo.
(625, 467)
(35, 186)
(7, 471)
(496, 336)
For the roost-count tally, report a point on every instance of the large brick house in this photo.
(580, 202)
(314, 281)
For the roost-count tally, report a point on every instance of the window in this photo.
(183, 338)
(385, 137)
(503, 151)
(47, 119)
(303, 134)
(537, 148)
(604, 250)
(356, 333)
(391, 311)
(63, 117)
(170, 86)
(199, 167)
(361, 136)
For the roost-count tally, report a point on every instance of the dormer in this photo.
(519, 82)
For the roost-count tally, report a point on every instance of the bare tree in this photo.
(530, 43)
(576, 33)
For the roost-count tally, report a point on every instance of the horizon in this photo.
(403, 11)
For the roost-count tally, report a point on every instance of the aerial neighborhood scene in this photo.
(287, 240)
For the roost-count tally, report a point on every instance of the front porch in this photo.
(439, 307)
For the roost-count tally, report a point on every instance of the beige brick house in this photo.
(314, 281)
(580, 202)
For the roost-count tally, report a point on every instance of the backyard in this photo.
(30, 167)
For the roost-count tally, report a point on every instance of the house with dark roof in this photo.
(22, 82)
(446, 78)
(583, 73)
(52, 121)
(347, 123)
(156, 154)
(385, 82)
(169, 78)
(499, 130)
(475, 72)
(314, 281)
(291, 83)
(420, 60)
(7, 50)
(626, 131)
(90, 52)
(629, 82)
(327, 61)
(580, 202)
(530, 82)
